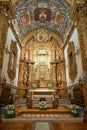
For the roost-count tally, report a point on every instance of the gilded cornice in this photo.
(78, 8)
(69, 35)
(15, 34)
(7, 9)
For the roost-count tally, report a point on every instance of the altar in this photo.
(36, 94)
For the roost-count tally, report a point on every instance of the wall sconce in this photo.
(7, 50)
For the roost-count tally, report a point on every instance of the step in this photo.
(37, 105)
(64, 102)
(59, 110)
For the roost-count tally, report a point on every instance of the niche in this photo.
(72, 61)
(12, 60)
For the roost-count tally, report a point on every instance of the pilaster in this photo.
(79, 16)
(6, 14)
(3, 34)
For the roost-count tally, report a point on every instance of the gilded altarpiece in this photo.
(42, 62)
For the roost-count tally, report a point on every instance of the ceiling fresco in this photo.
(53, 15)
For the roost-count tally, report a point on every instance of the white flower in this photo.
(74, 106)
(42, 104)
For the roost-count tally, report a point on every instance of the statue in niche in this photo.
(71, 59)
(12, 61)
(42, 66)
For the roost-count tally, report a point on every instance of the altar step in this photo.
(59, 110)
(35, 104)
(64, 102)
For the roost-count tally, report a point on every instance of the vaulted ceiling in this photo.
(52, 15)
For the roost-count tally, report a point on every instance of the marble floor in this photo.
(55, 126)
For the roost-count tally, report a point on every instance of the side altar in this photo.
(35, 95)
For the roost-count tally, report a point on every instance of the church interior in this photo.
(43, 60)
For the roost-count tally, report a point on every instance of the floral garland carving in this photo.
(72, 61)
(12, 60)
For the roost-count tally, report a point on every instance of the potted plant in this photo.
(75, 110)
(10, 111)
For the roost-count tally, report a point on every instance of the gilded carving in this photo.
(3, 33)
(42, 36)
(12, 60)
(72, 61)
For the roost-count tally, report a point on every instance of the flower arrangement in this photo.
(75, 110)
(42, 103)
(10, 111)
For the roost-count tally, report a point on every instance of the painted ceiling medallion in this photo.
(42, 14)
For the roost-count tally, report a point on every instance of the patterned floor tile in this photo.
(47, 117)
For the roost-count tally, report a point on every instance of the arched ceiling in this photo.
(53, 15)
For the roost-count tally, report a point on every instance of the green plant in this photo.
(10, 111)
(75, 110)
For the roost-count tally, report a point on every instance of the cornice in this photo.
(78, 8)
(15, 34)
(7, 9)
(69, 35)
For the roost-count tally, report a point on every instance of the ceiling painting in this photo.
(52, 15)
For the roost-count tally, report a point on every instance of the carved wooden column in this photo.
(54, 54)
(51, 73)
(21, 71)
(30, 70)
(61, 74)
(53, 64)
